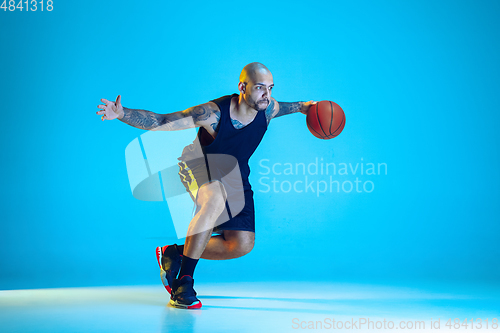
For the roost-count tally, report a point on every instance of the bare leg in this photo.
(211, 198)
(233, 244)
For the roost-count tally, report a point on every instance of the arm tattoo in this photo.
(148, 120)
(270, 111)
(142, 119)
(216, 123)
(287, 108)
(201, 113)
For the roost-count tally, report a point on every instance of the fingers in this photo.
(102, 112)
(118, 100)
(103, 109)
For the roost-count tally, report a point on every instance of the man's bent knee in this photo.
(243, 241)
(212, 197)
(245, 248)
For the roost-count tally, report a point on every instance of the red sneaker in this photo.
(169, 260)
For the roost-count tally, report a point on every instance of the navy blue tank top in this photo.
(240, 143)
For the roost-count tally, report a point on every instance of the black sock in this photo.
(187, 266)
(180, 248)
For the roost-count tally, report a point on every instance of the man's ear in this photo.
(242, 87)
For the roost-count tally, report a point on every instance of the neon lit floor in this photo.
(245, 307)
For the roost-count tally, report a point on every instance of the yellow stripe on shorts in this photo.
(188, 179)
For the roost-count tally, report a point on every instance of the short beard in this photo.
(261, 109)
(258, 108)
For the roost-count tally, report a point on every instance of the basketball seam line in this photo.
(331, 118)
(343, 120)
(320, 136)
(319, 122)
(316, 131)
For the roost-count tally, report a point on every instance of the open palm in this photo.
(111, 110)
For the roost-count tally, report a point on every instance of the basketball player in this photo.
(232, 125)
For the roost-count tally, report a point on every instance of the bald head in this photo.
(253, 71)
(256, 83)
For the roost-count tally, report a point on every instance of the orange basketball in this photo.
(325, 119)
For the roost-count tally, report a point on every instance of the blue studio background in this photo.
(418, 81)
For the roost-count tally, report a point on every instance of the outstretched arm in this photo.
(192, 117)
(284, 108)
(147, 120)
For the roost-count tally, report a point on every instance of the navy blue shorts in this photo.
(193, 175)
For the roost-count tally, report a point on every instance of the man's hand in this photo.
(111, 110)
(306, 106)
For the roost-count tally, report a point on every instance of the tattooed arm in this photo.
(283, 108)
(196, 116)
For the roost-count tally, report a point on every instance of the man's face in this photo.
(258, 91)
